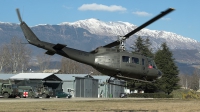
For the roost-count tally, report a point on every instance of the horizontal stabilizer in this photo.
(50, 53)
(59, 46)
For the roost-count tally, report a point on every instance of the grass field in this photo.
(110, 105)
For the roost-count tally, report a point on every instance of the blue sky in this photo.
(185, 20)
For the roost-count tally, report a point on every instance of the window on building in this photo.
(125, 59)
(135, 60)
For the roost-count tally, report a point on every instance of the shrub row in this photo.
(150, 95)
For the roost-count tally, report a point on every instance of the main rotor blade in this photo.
(149, 22)
(115, 43)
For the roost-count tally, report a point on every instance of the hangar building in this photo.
(78, 85)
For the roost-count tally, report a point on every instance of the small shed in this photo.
(114, 91)
(79, 85)
(86, 86)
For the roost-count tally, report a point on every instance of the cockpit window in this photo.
(125, 59)
(135, 60)
(143, 62)
(152, 64)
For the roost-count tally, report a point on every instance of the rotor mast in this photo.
(122, 43)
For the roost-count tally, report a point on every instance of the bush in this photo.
(185, 94)
(149, 95)
(179, 93)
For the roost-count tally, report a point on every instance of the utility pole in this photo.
(186, 84)
(199, 84)
(22, 68)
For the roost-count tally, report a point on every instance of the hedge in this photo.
(150, 95)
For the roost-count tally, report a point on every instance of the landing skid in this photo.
(108, 81)
(123, 77)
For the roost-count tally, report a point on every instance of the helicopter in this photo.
(110, 60)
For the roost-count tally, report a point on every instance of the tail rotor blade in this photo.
(18, 14)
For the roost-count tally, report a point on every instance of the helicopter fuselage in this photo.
(114, 62)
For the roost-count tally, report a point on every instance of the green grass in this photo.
(144, 105)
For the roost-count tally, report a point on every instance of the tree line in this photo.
(16, 57)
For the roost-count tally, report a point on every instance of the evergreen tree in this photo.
(138, 45)
(165, 62)
(147, 51)
(143, 47)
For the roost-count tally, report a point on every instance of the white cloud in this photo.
(66, 7)
(100, 7)
(141, 13)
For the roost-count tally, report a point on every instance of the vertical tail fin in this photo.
(29, 35)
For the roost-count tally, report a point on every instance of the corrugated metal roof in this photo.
(31, 76)
(101, 78)
(6, 76)
(66, 77)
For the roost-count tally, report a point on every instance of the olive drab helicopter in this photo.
(109, 60)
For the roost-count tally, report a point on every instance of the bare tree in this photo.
(72, 67)
(190, 81)
(194, 80)
(184, 81)
(20, 54)
(15, 56)
(4, 60)
(43, 61)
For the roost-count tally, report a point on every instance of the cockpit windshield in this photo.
(152, 63)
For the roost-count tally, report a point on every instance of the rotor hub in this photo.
(122, 43)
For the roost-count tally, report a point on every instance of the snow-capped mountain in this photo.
(99, 31)
(91, 33)
(114, 29)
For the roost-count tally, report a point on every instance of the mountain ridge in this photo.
(91, 33)
(97, 29)
(113, 29)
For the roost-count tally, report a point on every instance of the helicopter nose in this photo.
(159, 74)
